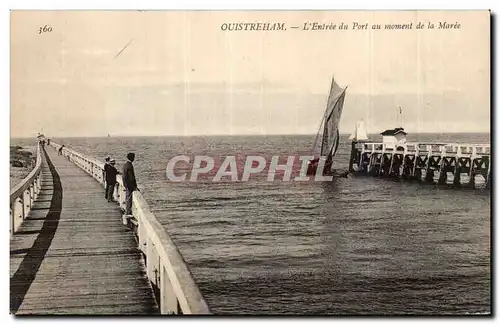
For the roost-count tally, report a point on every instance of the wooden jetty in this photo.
(71, 254)
(426, 162)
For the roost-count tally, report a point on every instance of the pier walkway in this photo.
(70, 252)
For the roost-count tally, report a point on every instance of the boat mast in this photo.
(317, 136)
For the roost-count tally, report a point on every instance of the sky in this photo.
(182, 75)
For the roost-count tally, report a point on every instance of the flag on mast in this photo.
(400, 117)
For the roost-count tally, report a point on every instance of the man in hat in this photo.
(129, 182)
(111, 180)
(106, 166)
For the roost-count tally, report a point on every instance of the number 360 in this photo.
(45, 29)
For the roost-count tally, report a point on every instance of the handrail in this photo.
(458, 148)
(23, 195)
(166, 268)
(429, 143)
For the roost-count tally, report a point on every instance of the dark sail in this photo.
(330, 138)
(330, 142)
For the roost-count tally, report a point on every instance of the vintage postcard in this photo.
(250, 162)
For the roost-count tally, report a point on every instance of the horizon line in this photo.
(214, 135)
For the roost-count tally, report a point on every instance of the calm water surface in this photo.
(351, 246)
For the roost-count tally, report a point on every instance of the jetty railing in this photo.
(456, 148)
(412, 160)
(23, 195)
(175, 288)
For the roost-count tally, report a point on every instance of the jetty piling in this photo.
(425, 162)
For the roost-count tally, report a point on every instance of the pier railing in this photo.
(455, 148)
(23, 195)
(175, 288)
(414, 160)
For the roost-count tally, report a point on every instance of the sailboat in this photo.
(359, 133)
(330, 129)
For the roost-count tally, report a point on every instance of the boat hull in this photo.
(313, 165)
(327, 170)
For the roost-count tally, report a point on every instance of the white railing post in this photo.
(123, 200)
(142, 236)
(19, 211)
(23, 209)
(30, 192)
(12, 227)
(168, 301)
(149, 258)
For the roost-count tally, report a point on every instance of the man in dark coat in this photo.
(106, 167)
(129, 182)
(111, 180)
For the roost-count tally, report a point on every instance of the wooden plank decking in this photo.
(72, 255)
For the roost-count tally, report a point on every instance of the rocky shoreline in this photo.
(22, 161)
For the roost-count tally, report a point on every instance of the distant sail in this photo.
(359, 133)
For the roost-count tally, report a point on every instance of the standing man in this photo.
(129, 182)
(111, 180)
(106, 167)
